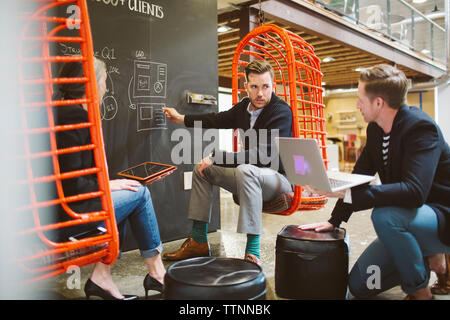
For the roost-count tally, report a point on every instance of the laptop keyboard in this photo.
(338, 183)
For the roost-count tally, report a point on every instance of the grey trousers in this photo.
(251, 184)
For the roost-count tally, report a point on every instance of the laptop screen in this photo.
(301, 165)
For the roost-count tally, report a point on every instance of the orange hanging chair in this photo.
(298, 80)
(45, 257)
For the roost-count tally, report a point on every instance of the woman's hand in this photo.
(124, 184)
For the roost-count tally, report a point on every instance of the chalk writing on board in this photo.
(109, 105)
(109, 89)
(113, 69)
(149, 79)
(139, 6)
(140, 54)
(69, 50)
(131, 105)
(108, 108)
(150, 116)
(105, 53)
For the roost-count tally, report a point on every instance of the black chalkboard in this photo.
(154, 57)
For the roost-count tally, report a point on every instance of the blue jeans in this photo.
(405, 238)
(137, 209)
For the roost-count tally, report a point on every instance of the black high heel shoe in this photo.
(91, 289)
(151, 283)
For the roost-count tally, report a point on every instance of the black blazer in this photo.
(417, 172)
(276, 115)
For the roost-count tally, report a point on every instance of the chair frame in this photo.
(103, 248)
(297, 69)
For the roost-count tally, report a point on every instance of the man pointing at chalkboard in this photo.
(246, 176)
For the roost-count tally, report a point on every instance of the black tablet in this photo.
(147, 171)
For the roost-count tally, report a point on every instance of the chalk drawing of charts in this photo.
(150, 116)
(108, 108)
(150, 79)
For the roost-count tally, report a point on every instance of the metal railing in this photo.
(399, 21)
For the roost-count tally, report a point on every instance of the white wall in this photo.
(225, 135)
(443, 110)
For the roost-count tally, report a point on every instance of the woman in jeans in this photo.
(132, 201)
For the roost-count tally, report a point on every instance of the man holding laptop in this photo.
(411, 213)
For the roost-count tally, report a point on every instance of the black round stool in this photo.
(210, 278)
(311, 265)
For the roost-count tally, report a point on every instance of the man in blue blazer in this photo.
(255, 174)
(411, 213)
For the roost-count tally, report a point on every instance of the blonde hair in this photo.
(100, 69)
(75, 70)
(387, 82)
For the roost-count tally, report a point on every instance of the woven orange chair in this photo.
(297, 69)
(45, 257)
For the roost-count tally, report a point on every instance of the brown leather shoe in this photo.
(189, 249)
(252, 258)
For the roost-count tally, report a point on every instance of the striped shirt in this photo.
(385, 148)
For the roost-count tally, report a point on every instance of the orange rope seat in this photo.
(297, 69)
(44, 257)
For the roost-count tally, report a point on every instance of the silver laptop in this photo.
(303, 163)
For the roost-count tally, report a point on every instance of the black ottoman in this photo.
(210, 278)
(311, 265)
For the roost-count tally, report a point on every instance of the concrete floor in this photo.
(128, 272)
